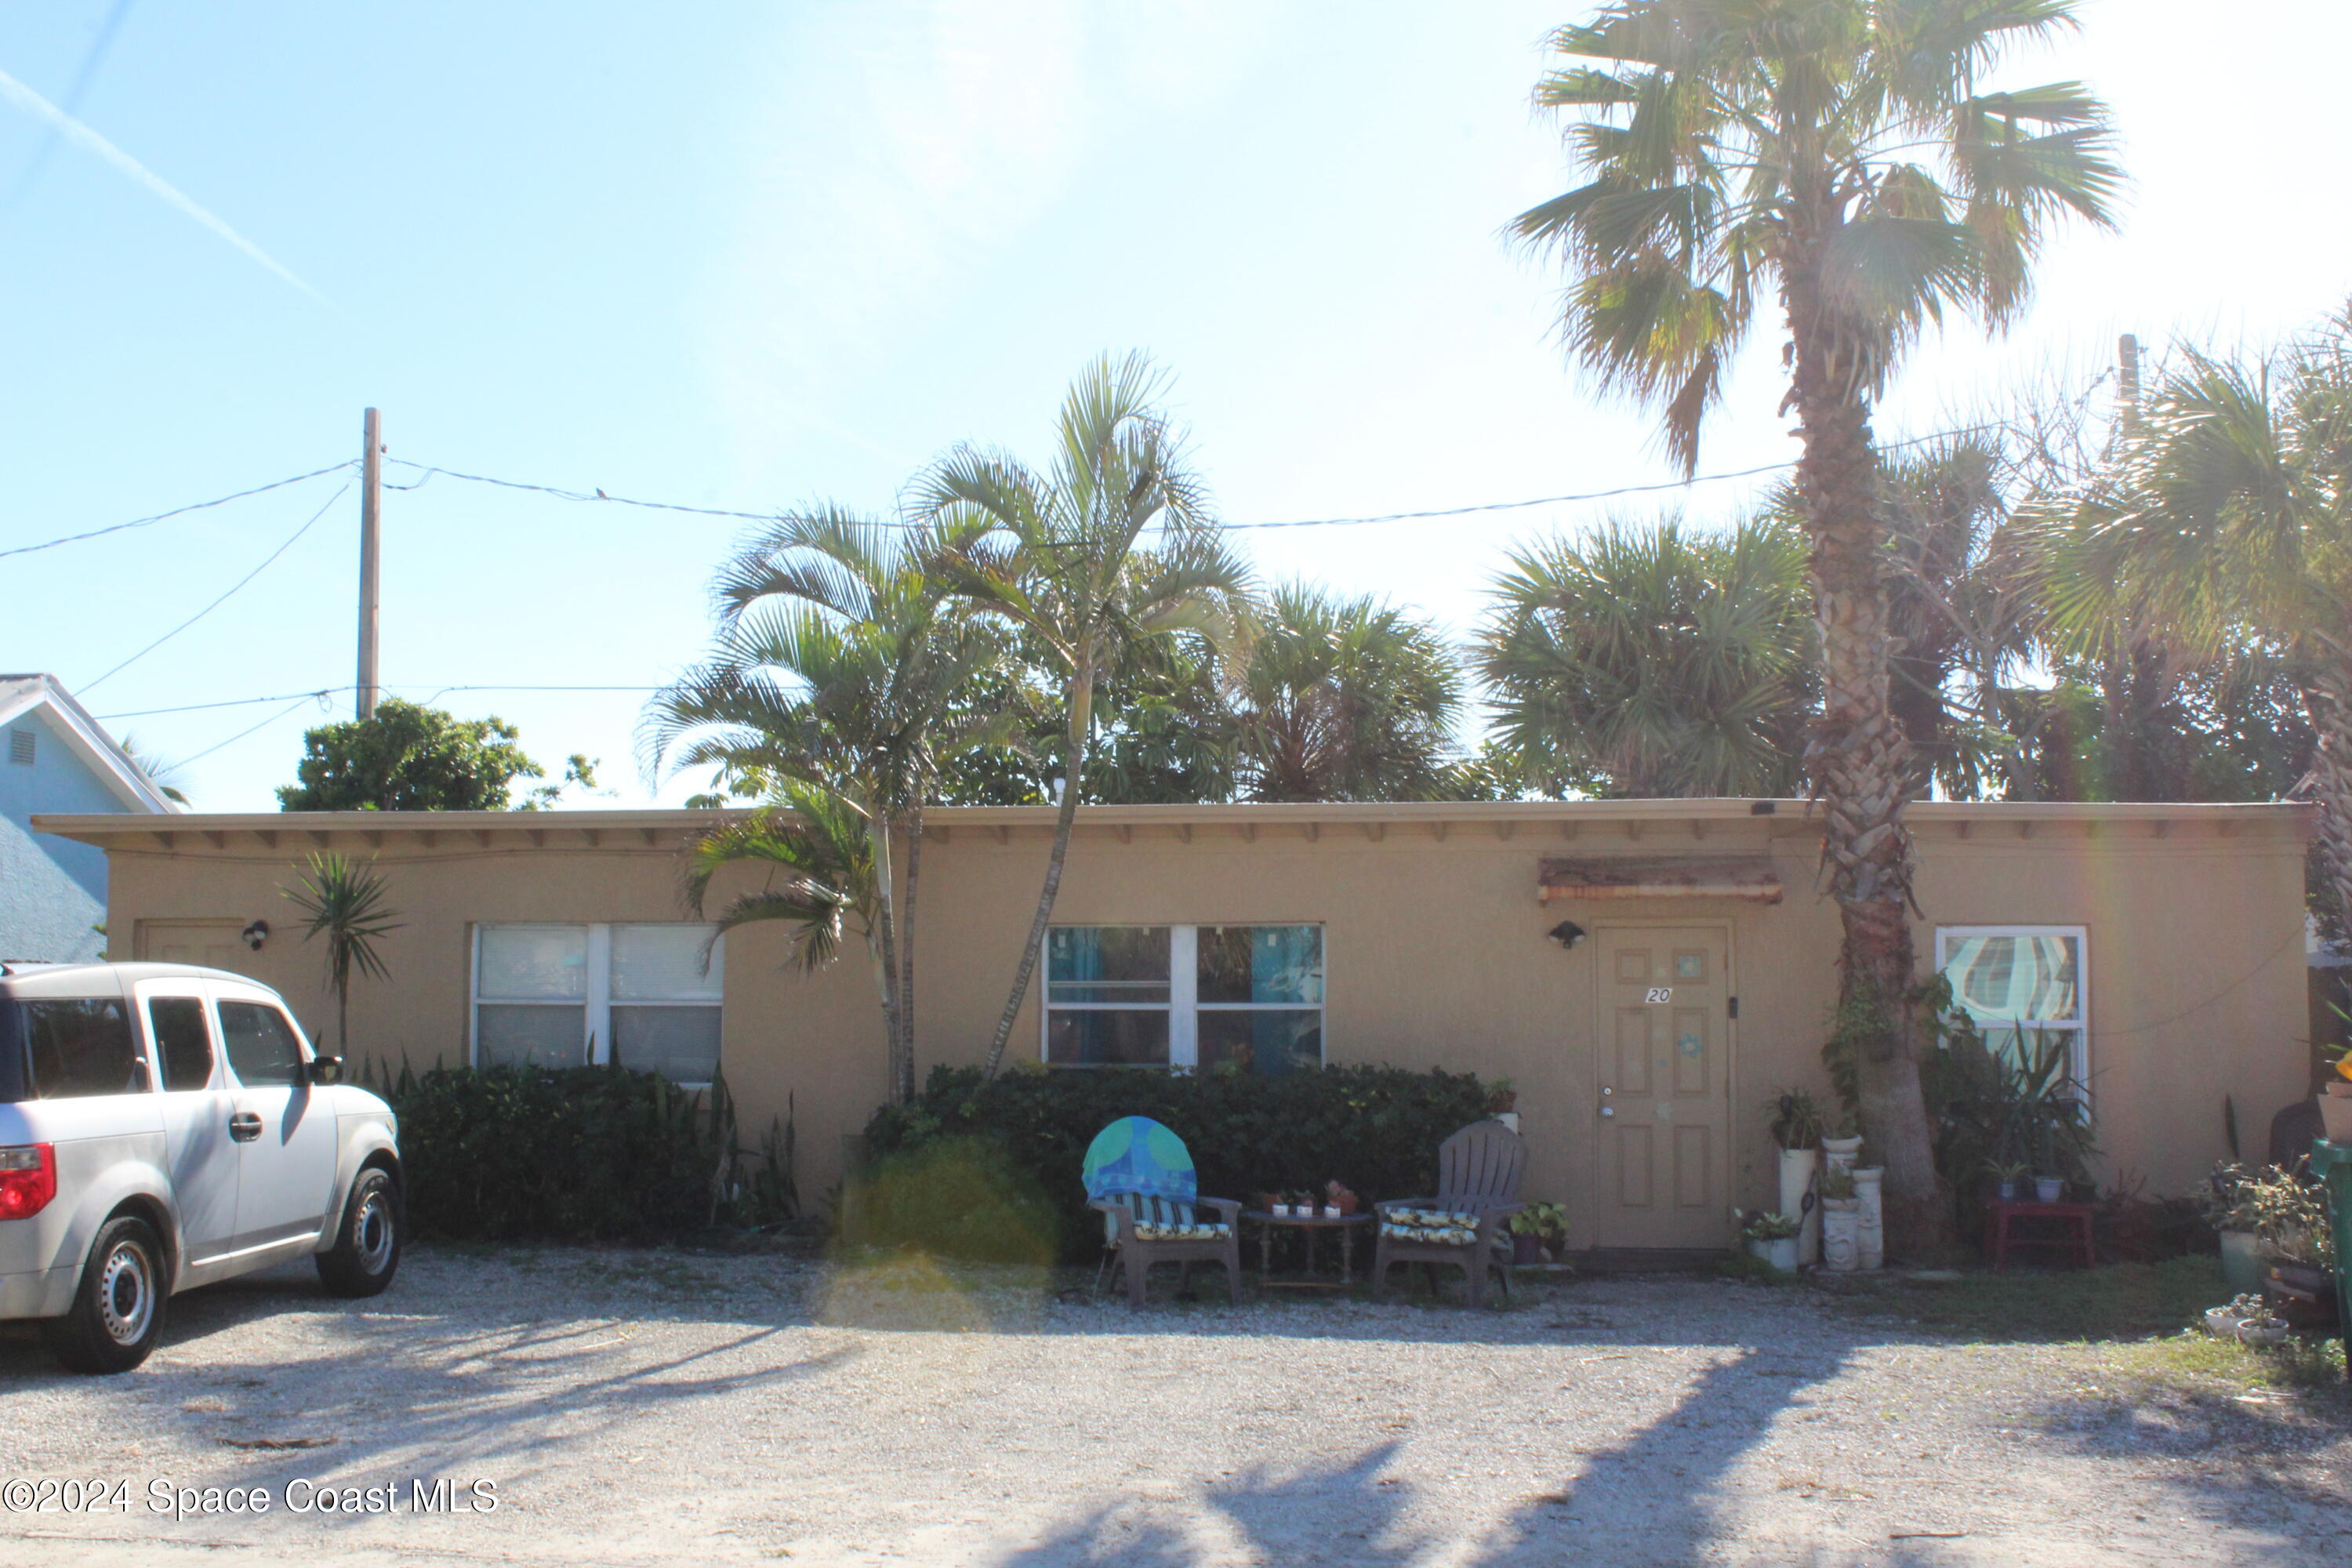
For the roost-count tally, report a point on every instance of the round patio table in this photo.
(1312, 1224)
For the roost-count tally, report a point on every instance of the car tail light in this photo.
(29, 1180)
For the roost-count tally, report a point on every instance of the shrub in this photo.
(1375, 1129)
(593, 1153)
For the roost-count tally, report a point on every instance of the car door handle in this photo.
(245, 1126)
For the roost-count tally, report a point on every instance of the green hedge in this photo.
(991, 1169)
(595, 1154)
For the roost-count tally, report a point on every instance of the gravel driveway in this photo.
(652, 1407)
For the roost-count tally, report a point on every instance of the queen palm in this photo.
(1650, 660)
(1059, 554)
(2228, 512)
(1845, 154)
(1344, 700)
(839, 667)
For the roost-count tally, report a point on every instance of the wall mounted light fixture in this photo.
(1568, 934)
(256, 934)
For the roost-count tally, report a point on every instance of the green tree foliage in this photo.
(1058, 554)
(832, 694)
(345, 904)
(2225, 516)
(1649, 660)
(413, 758)
(1344, 700)
(1846, 160)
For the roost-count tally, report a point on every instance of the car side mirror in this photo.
(326, 1070)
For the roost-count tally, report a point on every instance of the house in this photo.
(58, 759)
(1649, 972)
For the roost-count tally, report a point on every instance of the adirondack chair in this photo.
(1478, 1189)
(1140, 1177)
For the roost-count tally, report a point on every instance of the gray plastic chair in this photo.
(1478, 1172)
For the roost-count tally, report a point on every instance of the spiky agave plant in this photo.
(345, 904)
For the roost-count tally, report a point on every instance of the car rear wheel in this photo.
(118, 1312)
(366, 1253)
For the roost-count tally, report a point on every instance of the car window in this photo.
(82, 1046)
(261, 1044)
(182, 1042)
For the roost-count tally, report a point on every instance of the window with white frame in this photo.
(1247, 996)
(647, 997)
(2024, 987)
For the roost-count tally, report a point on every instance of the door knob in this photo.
(245, 1126)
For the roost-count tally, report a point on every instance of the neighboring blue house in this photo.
(53, 757)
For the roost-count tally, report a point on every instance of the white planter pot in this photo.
(1837, 1153)
(1841, 1235)
(2049, 1189)
(1870, 1236)
(2241, 1270)
(2336, 1117)
(1781, 1254)
(1797, 1199)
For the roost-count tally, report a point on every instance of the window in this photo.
(80, 1048)
(558, 996)
(263, 1050)
(1185, 996)
(2023, 987)
(183, 1046)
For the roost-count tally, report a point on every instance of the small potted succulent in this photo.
(2009, 1180)
(2222, 1321)
(1539, 1234)
(2263, 1332)
(1772, 1238)
(1338, 1201)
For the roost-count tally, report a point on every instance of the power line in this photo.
(217, 604)
(241, 734)
(175, 512)
(324, 691)
(561, 494)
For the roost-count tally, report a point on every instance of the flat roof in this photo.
(656, 826)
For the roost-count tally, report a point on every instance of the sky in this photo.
(747, 256)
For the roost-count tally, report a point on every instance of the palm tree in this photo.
(346, 905)
(1057, 553)
(2227, 512)
(839, 666)
(1842, 151)
(1650, 660)
(1345, 700)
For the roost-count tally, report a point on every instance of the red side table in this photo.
(2073, 1230)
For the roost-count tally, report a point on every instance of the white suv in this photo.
(162, 1127)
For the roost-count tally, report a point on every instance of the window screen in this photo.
(262, 1047)
(82, 1047)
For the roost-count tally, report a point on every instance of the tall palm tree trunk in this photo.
(886, 948)
(905, 1088)
(1858, 757)
(2329, 701)
(1081, 726)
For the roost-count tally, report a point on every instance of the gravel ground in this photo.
(650, 1406)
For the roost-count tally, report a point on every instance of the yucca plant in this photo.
(345, 904)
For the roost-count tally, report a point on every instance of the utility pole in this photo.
(371, 550)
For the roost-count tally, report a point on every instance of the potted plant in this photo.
(1539, 1234)
(1502, 1098)
(1797, 1128)
(1840, 1220)
(1839, 1149)
(1772, 1238)
(2009, 1180)
(2336, 1102)
(2049, 1189)
(2222, 1321)
(1339, 1199)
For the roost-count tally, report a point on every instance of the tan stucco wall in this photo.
(1436, 951)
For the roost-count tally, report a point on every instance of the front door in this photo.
(284, 1129)
(1662, 1170)
(197, 1145)
(215, 944)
